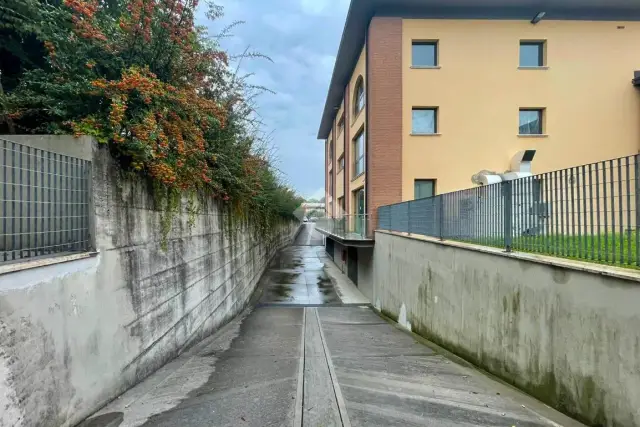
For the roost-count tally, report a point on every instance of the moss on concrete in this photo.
(390, 315)
(584, 401)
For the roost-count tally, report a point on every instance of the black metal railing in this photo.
(44, 197)
(588, 212)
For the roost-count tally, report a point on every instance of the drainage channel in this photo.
(301, 278)
(322, 403)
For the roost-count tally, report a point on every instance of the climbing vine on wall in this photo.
(142, 78)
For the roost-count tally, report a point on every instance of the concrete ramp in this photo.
(312, 353)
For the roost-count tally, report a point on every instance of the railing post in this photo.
(637, 203)
(441, 216)
(507, 192)
(409, 217)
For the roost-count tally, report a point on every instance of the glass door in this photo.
(360, 212)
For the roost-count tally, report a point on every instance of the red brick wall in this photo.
(384, 115)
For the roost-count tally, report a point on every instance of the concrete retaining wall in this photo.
(570, 338)
(75, 335)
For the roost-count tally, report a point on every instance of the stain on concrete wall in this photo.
(569, 338)
(74, 336)
(10, 413)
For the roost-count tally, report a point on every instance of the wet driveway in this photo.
(301, 357)
(297, 274)
(297, 277)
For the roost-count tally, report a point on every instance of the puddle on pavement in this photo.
(281, 278)
(298, 276)
(282, 291)
(326, 288)
(287, 260)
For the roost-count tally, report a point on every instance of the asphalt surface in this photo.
(298, 358)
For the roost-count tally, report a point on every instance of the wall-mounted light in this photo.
(538, 17)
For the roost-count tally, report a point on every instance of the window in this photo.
(424, 121)
(330, 151)
(341, 125)
(531, 54)
(359, 219)
(341, 163)
(359, 98)
(331, 183)
(341, 206)
(423, 188)
(424, 54)
(530, 121)
(358, 154)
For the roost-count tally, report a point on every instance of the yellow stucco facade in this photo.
(591, 110)
(357, 124)
(339, 143)
(343, 141)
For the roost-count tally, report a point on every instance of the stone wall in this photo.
(568, 336)
(75, 335)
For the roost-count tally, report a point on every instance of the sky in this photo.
(301, 37)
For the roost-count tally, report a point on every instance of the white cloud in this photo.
(313, 7)
(286, 23)
(324, 7)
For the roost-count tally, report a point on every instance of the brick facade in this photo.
(384, 115)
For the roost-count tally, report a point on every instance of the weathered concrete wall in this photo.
(75, 335)
(570, 338)
(365, 272)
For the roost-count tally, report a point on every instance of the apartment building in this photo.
(426, 94)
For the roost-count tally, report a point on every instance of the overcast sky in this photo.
(301, 37)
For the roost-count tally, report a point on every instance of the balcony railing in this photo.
(347, 227)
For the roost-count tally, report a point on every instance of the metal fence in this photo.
(44, 198)
(588, 212)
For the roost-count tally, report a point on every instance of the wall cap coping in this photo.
(67, 145)
(587, 267)
(43, 262)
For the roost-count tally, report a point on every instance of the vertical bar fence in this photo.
(588, 212)
(45, 203)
